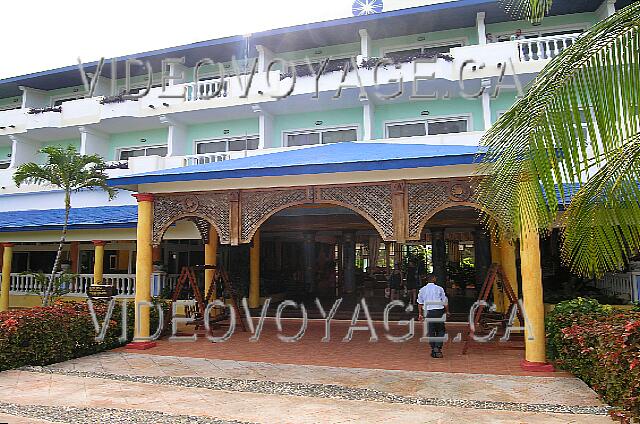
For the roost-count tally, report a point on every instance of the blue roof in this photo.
(321, 159)
(79, 218)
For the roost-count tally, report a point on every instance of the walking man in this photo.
(433, 302)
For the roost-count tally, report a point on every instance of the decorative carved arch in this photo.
(371, 201)
(200, 208)
(427, 198)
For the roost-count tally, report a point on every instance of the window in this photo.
(320, 136)
(125, 154)
(234, 144)
(406, 130)
(428, 127)
(5, 164)
(447, 126)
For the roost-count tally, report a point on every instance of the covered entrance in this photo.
(304, 229)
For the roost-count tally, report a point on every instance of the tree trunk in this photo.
(51, 283)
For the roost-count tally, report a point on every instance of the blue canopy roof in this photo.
(321, 159)
(79, 218)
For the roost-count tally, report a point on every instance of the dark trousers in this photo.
(435, 329)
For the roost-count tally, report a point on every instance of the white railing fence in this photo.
(205, 90)
(123, 284)
(543, 48)
(204, 158)
(620, 285)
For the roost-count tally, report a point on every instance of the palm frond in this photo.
(533, 10)
(576, 115)
(601, 228)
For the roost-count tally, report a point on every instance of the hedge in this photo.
(63, 331)
(601, 346)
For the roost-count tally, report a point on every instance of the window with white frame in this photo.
(125, 154)
(434, 126)
(320, 136)
(230, 144)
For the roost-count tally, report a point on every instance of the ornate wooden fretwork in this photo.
(428, 197)
(257, 206)
(201, 208)
(397, 209)
(371, 200)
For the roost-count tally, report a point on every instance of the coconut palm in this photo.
(69, 171)
(534, 10)
(576, 132)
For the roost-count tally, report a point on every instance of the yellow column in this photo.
(210, 258)
(508, 262)
(254, 266)
(98, 261)
(7, 256)
(535, 354)
(144, 262)
(498, 296)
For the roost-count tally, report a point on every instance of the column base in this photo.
(141, 345)
(536, 366)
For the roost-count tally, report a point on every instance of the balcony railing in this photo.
(544, 48)
(203, 158)
(124, 284)
(206, 90)
(619, 285)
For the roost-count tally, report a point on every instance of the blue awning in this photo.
(321, 159)
(79, 219)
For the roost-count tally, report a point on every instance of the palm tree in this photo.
(70, 171)
(575, 132)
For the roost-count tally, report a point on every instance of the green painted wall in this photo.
(75, 142)
(351, 49)
(502, 103)
(154, 137)
(4, 151)
(238, 127)
(469, 35)
(13, 101)
(329, 118)
(550, 22)
(437, 108)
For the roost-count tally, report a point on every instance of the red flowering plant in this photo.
(602, 347)
(44, 335)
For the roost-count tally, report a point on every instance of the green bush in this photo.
(63, 331)
(600, 346)
(566, 314)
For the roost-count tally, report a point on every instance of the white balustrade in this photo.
(620, 285)
(204, 158)
(544, 48)
(205, 90)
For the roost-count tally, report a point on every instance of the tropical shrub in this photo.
(63, 331)
(601, 346)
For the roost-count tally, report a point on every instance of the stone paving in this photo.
(120, 387)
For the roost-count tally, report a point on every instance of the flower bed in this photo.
(45, 335)
(601, 346)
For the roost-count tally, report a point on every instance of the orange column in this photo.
(74, 256)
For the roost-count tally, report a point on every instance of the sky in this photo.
(37, 35)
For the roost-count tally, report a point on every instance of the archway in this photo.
(460, 252)
(324, 251)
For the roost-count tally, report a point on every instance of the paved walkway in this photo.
(413, 355)
(118, 387)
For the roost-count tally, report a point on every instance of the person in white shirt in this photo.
(433, 303)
